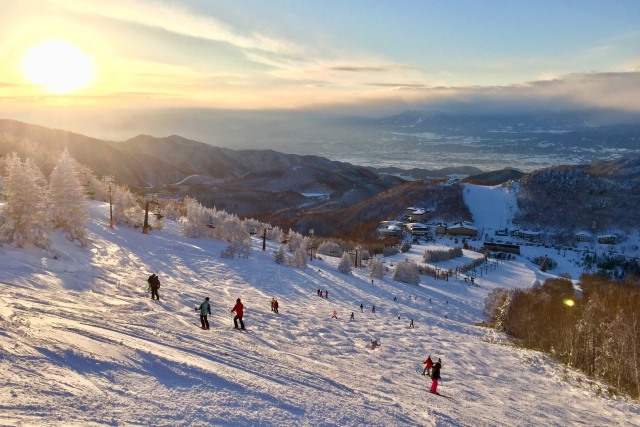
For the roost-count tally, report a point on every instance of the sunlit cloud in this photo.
(176, 19)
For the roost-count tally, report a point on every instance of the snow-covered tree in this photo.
(68, 201)
(279, 255)
(344, 266)
(295, 241)
(299, 259)
(237, 248)
(126, 210)
(171, 211)
(406, 272)
(195, 223)
(376, 268)
(330, 248)
(24, 217)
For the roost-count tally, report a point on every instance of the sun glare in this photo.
(58, 66)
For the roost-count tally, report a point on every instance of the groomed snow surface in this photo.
(81, 343)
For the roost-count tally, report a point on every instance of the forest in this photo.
(593, 326)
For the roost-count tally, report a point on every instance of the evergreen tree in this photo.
(344, 266)
(67, 200)
(407, 272)
(299, 259)
(24, 216)
(376, 268)
(279, 255)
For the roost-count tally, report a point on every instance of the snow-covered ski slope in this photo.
(82, 344)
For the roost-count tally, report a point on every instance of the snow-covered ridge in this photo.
(82, 344)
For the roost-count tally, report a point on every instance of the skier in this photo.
(275, 306)
(435, 376)
(154, 285)
(411, 324)
(361, 308)
(428, 364)
(326, 294)
(394, 299)
(239, 309)
(373, 309)
(334, 315)
(352, 316)
(205, 308)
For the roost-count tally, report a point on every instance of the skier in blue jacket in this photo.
(205, 308)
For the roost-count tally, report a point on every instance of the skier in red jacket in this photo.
(428, 364)
(239, 309)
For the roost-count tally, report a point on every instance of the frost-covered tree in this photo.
(406, 272)
(344, 266)
(295, 241)
(299, 259)
(279, 255)
(68, 201)
(376, 268)
(126, 210)
(171, 211)
(330, 248)
(237, 248)
(24, 217)
(195, 222)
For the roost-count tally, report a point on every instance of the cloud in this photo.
(617, 91)
(176, 19)
(360, 69)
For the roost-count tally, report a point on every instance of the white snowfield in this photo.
(82, 344)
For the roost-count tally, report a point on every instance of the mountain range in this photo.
(333, 197)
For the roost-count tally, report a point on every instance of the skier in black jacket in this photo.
(435, 376)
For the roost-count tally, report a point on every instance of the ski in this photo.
(442, 395)
(199, 326)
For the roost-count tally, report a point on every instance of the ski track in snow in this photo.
(81, 343)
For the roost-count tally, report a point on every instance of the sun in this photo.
(58, 66)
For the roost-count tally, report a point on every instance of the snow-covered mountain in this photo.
(81, 343)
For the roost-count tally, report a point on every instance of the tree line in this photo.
(594, 326)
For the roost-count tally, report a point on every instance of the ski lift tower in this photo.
(149, 198)
(109, 180)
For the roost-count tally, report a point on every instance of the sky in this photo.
(116, 69)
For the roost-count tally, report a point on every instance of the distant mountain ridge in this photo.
(307, 191)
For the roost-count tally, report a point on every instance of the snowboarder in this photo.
(373, 309)
(428, 364)
(411, 324)
(435, 376)
(275, 306)
(154, 285)
(205, 308)
(239, 309)
(361, 308)
(352, 316)
(334, 315)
